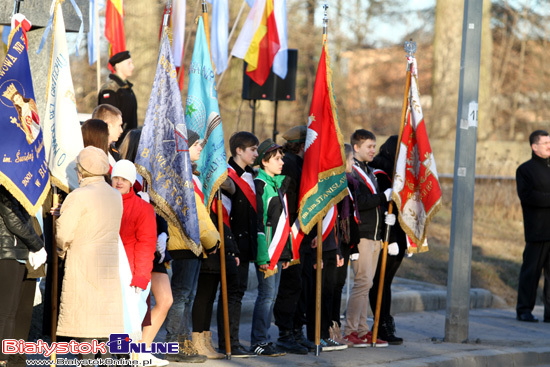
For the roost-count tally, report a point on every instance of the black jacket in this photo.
(533, 186)
(293, 170)
(119, 93)
(243, 219)
(17, 235)
(369, 202)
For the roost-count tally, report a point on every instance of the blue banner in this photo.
(202, 115)
(163, 154)
(23, 167)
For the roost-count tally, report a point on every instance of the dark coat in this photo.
(369, 205)
(119, 93)
(533, 186)
(293, 170)
(243, 219)
(17, 235)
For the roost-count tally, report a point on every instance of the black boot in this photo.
(287, 343)
(386, 331)
(302, 340)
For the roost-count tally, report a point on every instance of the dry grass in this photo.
(497, 242)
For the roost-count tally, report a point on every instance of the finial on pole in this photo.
(167, 14)
(204, 6)
(325, 18)
(16, 6)
(410, 48)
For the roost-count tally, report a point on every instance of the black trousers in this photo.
(207, 288)
(340, 281)
(328, 277)
(237, 282)
(536, 257)
(392, 265)
(12, 274)
(23, 319)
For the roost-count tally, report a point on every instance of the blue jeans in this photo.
(263, 308)
(185, 276)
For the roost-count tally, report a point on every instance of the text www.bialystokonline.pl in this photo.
(84, 362)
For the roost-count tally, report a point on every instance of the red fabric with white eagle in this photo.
(323, 154)
(416, 189)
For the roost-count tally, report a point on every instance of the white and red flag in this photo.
(416, 189)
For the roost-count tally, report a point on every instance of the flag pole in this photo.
(220, 219)
(186, 41)
(54, 270)
(318, 272)
(98, 63)
(229, 41)
(206, 24)
(410, 48)
(223, 278)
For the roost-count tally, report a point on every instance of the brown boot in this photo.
(187, 352)
(201, 346)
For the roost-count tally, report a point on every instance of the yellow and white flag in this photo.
(61, 127)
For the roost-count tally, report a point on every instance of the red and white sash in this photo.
(198, 187)
(355, 214)
(246, 184)
(328, 225)
(226, 208)
(278, 241)
(365, 178)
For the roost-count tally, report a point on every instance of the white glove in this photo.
(390, 219)
(393, 248)
(38, 258)
(161, 245)
(387, 193)
(137, 289)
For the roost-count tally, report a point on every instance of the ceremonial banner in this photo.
(23, 167)
(163, 154)
(114, 26)
(324, 181)
(416, 189)
(202, 115)
(61, 127)
(258, 42)
(219, 34)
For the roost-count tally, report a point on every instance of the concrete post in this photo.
(460, 257)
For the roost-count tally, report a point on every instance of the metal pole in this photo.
(460, 256)
(16, 6)
(253, 116)
(275, 132)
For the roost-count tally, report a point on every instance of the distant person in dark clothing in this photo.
(117, 91)
(533, 186)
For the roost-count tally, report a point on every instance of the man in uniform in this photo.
(117, 91)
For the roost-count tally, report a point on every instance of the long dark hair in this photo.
(129, 146)
(95, 132)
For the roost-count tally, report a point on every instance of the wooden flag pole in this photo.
(410, 50)
(318, 276)
(223, 277)
(318, 272)
(54, 270)
(206, 23)
(97, 37)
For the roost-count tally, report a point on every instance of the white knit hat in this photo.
(125, 169)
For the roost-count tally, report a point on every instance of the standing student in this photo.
(274, 242)
(186, 266)
(369, 202)
(113, 118)
(383, 165)
(243, 220)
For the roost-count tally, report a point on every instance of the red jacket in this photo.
(138, 232)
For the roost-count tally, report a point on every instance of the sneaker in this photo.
(267, 349)
(329, 345)
(336, 335)
(355, 341)
(367, 338)
(238, 351)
